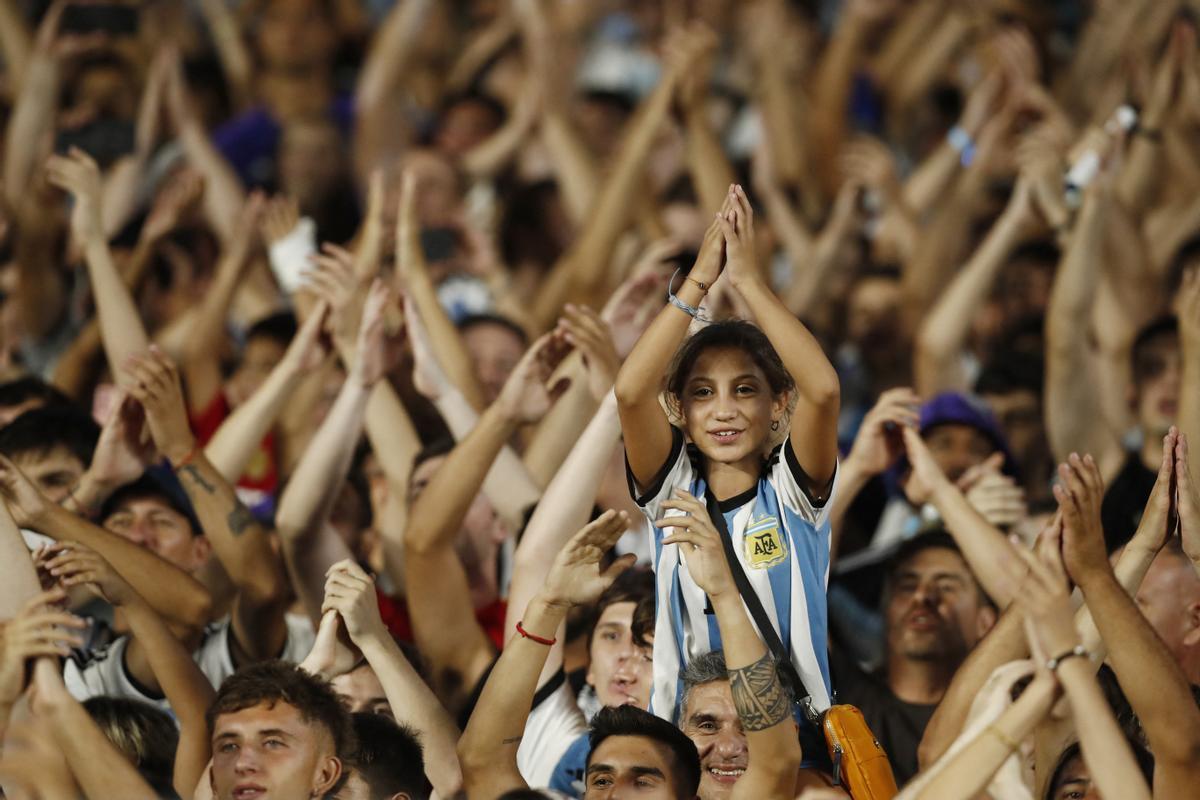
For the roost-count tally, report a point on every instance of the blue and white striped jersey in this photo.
(781, 537)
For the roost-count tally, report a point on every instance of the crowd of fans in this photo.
(512, 399)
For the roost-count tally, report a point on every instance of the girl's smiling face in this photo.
(728, 406)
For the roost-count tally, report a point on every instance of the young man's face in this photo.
(55, 472)
(361, 691)
(259, 357)
(1074, 782)
(619, 671)
(269, 752)
(711, 721)
(152, 523)
(935, 611)
(494, 352)
(630, 766)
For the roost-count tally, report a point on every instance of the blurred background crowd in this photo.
(311, 311)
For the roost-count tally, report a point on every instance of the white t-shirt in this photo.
(553, 726)
(102, 672)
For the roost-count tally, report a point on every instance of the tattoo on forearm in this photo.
(758, 695)
(240, 519)
(513, 740)
(194, 474)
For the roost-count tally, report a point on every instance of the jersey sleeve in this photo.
(676, 473)
(795, 487)
(553, 725)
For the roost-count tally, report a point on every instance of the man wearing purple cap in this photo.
(965, 440)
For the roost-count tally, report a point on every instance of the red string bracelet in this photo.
(521, 630)
(183, 462)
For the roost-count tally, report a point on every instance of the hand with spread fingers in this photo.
(528, 393)
(583, 329)
(693, 530)
(153, 380)
(576, 577)
(880, 442)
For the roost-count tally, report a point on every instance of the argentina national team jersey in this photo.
(781, 537)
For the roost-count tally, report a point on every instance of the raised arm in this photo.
(436, 584)
(818, 393)
(238, 438)
(232, 50)
(121, 327)
(351, 593)
(968, 772)
(586, 264)
(1189, 341)
(447, 344)
(1052, 635)
(1074, 416)
(224, 194)
(1150, 677)
(100, 769)
(488, 747)
(984, 546)
(564, 507)
(33, 109)
(310, 547)
(942, 336)
(591, 370)
(763, 705)
(877, 447)
(37, 628)
(706, 160)
(240, 544)
(196, 341)
(508, 485)
(639, 381)
(169, 662)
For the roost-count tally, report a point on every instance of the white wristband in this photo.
(290, 255)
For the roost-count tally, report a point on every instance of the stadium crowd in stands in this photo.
(502, 399)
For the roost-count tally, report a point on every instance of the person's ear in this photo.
(779, 406)
(329, 771)
(201, 550)
(985, 620)
(400, 796)
(1192, 637)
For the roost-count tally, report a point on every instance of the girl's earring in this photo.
(775, 425)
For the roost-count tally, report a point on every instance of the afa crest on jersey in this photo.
(765, 547)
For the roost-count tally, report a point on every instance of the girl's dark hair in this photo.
(735, 333)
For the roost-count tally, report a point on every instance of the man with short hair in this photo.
(389, 763)
(632, 749)
(935, 613)
(278, 733)
(710, 719)
(53, 445)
